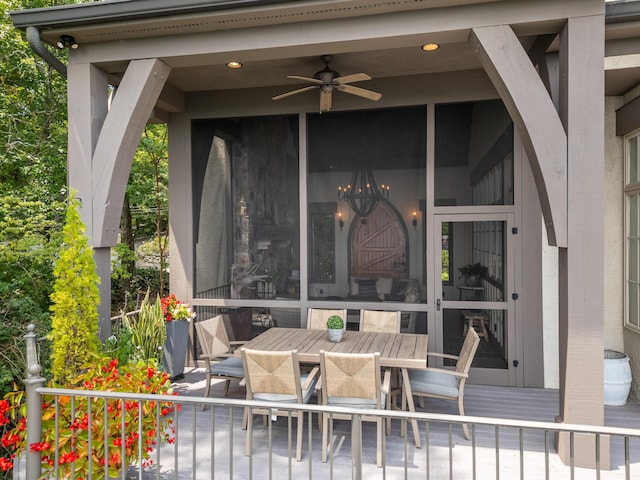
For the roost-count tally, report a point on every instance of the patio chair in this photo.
(353, 381)
(379, 321)
(442, 382)
(217, 352)
(317, 317)
(275, 376)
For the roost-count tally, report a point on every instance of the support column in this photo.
(102, 142)
(581, 263)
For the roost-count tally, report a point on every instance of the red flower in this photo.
(5, 464)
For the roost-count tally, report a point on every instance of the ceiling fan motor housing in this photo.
(326, 75)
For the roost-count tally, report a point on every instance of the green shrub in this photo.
(335, 322)
(75, 299)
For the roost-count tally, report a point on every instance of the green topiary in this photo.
(75, 299)
(335, 322)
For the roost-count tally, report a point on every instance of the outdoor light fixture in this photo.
(414, 222)
(234, 64)
(430, 47)
(67, 41)
(340, 221)
(362, 194)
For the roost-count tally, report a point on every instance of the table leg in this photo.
(408, 396)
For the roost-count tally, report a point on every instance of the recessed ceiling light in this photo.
(430, 47)
(234, 64)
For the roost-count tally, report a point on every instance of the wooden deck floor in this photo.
(481, 401)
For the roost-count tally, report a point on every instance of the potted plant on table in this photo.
(177, 316)
(335, 328)
(473, 273)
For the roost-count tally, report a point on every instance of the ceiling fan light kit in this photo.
(326, 80)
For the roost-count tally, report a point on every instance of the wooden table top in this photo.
(401, 350)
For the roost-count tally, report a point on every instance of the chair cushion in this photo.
(230, 367)
(354, 402)
(283, 398)
(437, 383)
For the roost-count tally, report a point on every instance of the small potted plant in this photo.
(473, 273)
(335, 328)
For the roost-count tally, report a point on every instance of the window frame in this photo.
(631, 190)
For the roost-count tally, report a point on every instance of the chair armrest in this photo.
(313, 374)
(211, 356)
(445, 371)
(386, 381)
(237, 344)
(442, 355)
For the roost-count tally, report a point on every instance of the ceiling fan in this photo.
(327, 79)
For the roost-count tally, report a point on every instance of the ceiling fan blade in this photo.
(325, 101)
(361, 92)
(355, 77)
(306, 79)
(293, 92)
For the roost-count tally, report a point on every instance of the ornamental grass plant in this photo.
(147, 330)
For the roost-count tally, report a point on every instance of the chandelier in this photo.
(362, 194)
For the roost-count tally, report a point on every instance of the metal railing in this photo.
(209, 443)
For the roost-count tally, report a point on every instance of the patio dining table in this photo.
(397, 350)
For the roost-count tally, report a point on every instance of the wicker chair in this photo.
(353, 381)
(379, 321)
(317, 317)
(275, 376)
(215, 345)
(441, 382)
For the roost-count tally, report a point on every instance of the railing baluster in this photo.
(89, 435)
(450, 451)
(356, 446)
(497, 452)
(330, 446)
(521, 436)
(597, 457)
(473, 450)
(176, 443)
(212, 441)
(270, 446)
(546, 454)
(427, 447)
(123, 439)
(289, 431)
(244, 412)
(627, 467)
(158, 411)
(572, 454)
(310, 433)
(193, 442)
(405, 453)
(140, 438)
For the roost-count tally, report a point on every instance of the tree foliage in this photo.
(33, 172)
(33, 126)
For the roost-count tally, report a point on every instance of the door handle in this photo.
(438, 304)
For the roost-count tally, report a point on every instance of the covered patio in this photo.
(526, 196)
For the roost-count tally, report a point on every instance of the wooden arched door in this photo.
(378, 247)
